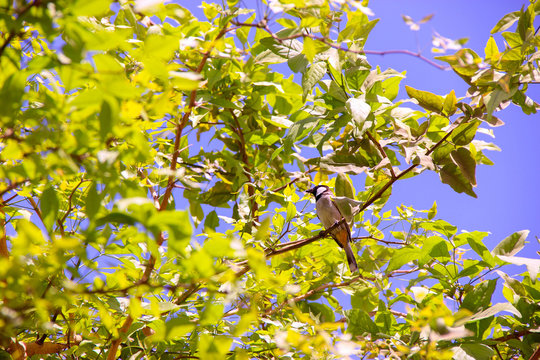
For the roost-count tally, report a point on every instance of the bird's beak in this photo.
(311, 191)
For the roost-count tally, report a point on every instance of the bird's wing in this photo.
(347, 206)
(346, 224)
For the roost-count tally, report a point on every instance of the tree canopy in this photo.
(154, 168)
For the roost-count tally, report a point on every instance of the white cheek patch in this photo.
(320, 191)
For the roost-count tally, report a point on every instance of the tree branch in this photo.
(251, 188)
(329, 42)
(536, 354)
(10, 187)
(168, 191)
(379, 193)
(383, 153)
(181, 125)
(20, 13)
(318, 289)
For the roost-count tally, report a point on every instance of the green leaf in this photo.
(465, 133)
(93, 201)
(480, 297)
(491, 50)
(426, 99)
(472, 351)
(494, 99)
(49, 205)
(212, 313)
(512, 244)
(432, 211)
(196, 212)
(298, 63)
(11, 94)
(507, 21)
(360, 323)
(279, 121)
(449, 106)
(344, 186)
(320, 311)
(291, 211)
(465, 62)
(533, 265)
(451, 175)
(463, 159)
(434, 247)
(359, 111)
(116, 217)
(185, 81)
(212, 220)
(440, 226)
(213, 347)
(312, 76)
(474, 239)
(310, 48)
(403, 256)
(90, 8)
(491, 311)
(178, 327)
(525, 23)
(107, 118)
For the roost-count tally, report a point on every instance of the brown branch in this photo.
(36, 208)
(381, 191)
(329, 42)
(22, 350)
(20, 13)
(251, 188)
(515, 335)
(315, 291)
(383, 153)
(180, 126)
(190, 291)
(168, 191)
(387, 242)
(10, 187)
(289, 247)
(70, 198)
(293, 180)
(536, 354)
(4, 251)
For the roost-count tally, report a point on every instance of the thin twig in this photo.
(329, 42)
(387, 242)
(318, 289)
(383, 153)
(254, 208)
(20, 13)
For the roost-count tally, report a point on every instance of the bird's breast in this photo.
(327, 211)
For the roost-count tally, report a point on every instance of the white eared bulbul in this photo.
(329, 214)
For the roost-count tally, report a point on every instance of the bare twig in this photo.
(387, 242)
(293, 180)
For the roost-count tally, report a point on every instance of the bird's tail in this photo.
(350, 257)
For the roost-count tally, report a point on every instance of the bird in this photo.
(329, 214)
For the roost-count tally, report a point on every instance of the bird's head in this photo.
(319, 190)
